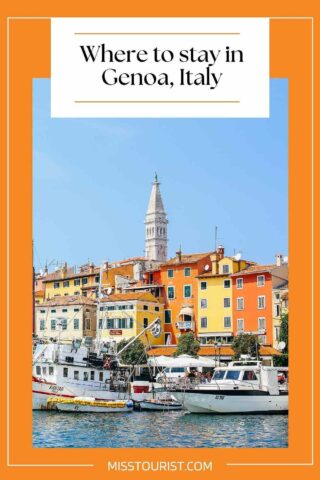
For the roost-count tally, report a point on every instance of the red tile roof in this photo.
(122, 297)
(255, 269)
(68, 300)
(186, 258)
(60, 276)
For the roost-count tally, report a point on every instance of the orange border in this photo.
(30, 58)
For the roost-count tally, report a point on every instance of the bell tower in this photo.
(156, 240)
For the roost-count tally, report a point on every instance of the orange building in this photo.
(178, 286)
(252, 300)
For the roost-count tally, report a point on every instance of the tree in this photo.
(187, 345)
(283, 360)
(135, 354)
(246, 344)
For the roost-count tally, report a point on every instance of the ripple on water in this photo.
(158, 430)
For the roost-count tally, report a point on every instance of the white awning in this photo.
(186, 311)
(182, 361)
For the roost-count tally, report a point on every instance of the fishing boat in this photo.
(89, 405)
(160, 405)
(237, 388)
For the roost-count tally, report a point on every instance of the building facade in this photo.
(215, 302)
(66, 318)
(125, 315)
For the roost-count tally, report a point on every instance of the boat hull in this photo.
(232, 402)
(158, 406)
(74, 408)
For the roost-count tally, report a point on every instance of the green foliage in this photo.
(284, 332)
(283, 360)
(187, 345)
(134, 355)
(245, 344)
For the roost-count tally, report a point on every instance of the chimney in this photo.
(279, 259)
(91, 267)
(179, 255)
(220, 252)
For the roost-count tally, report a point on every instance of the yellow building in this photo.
(215, 298)
(280, 297)
(125, 315)
(67, 318)
(67, 281)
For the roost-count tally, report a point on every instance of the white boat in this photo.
(161, 404)
(89, 405)
(65, 371)
(237, 388)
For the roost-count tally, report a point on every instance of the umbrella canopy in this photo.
(182, 361)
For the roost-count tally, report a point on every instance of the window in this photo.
(261, 323)
(262, 339)
(239, 283)
(76, 375)
(84, 280)
(277, 333)
(42, 324)
(240, 323)
(277, 295)
(53, 311)
(85, 294)
(204, 322)
(110, 323)
(77, 293)
(51, 370)
(225, 268)
(187, 272)
(203, 285)
(171, 293)
(218, 374)
(88, 324)
(145, 323)
(42, 311)
(130, 322)
(277, 310)
(100, 324)
(227, 322)
(44, 370)
(76, 309)
(64, 324)
(145, 307)
(227, 284)
(101, 309)
(240, 303)
(156, 309)
(53, 324)
(76, 281)
(187, 291)
(233, 375)
(170, 273)
(92, 375)
(261, 302)
(226, 302)
(66, 283)
(100, 376)
(260, 280)
(38, 370)
(203, 303)
(65, 372)
(249, 375)
(56, 284)
(167, 338)
(64, 310)
(76, 323)
(97, 278)
(167, 316)
(85, 376)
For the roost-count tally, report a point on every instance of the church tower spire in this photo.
(156, 241)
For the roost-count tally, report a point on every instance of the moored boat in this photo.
(238, 388)
(89, 405)
(160, 404)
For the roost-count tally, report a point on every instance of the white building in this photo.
(156, 241)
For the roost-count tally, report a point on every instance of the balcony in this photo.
(189, 325)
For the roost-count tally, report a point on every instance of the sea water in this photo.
(176, 429)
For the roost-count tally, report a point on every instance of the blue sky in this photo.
(92, 180)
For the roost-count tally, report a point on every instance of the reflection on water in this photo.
(158, 430)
